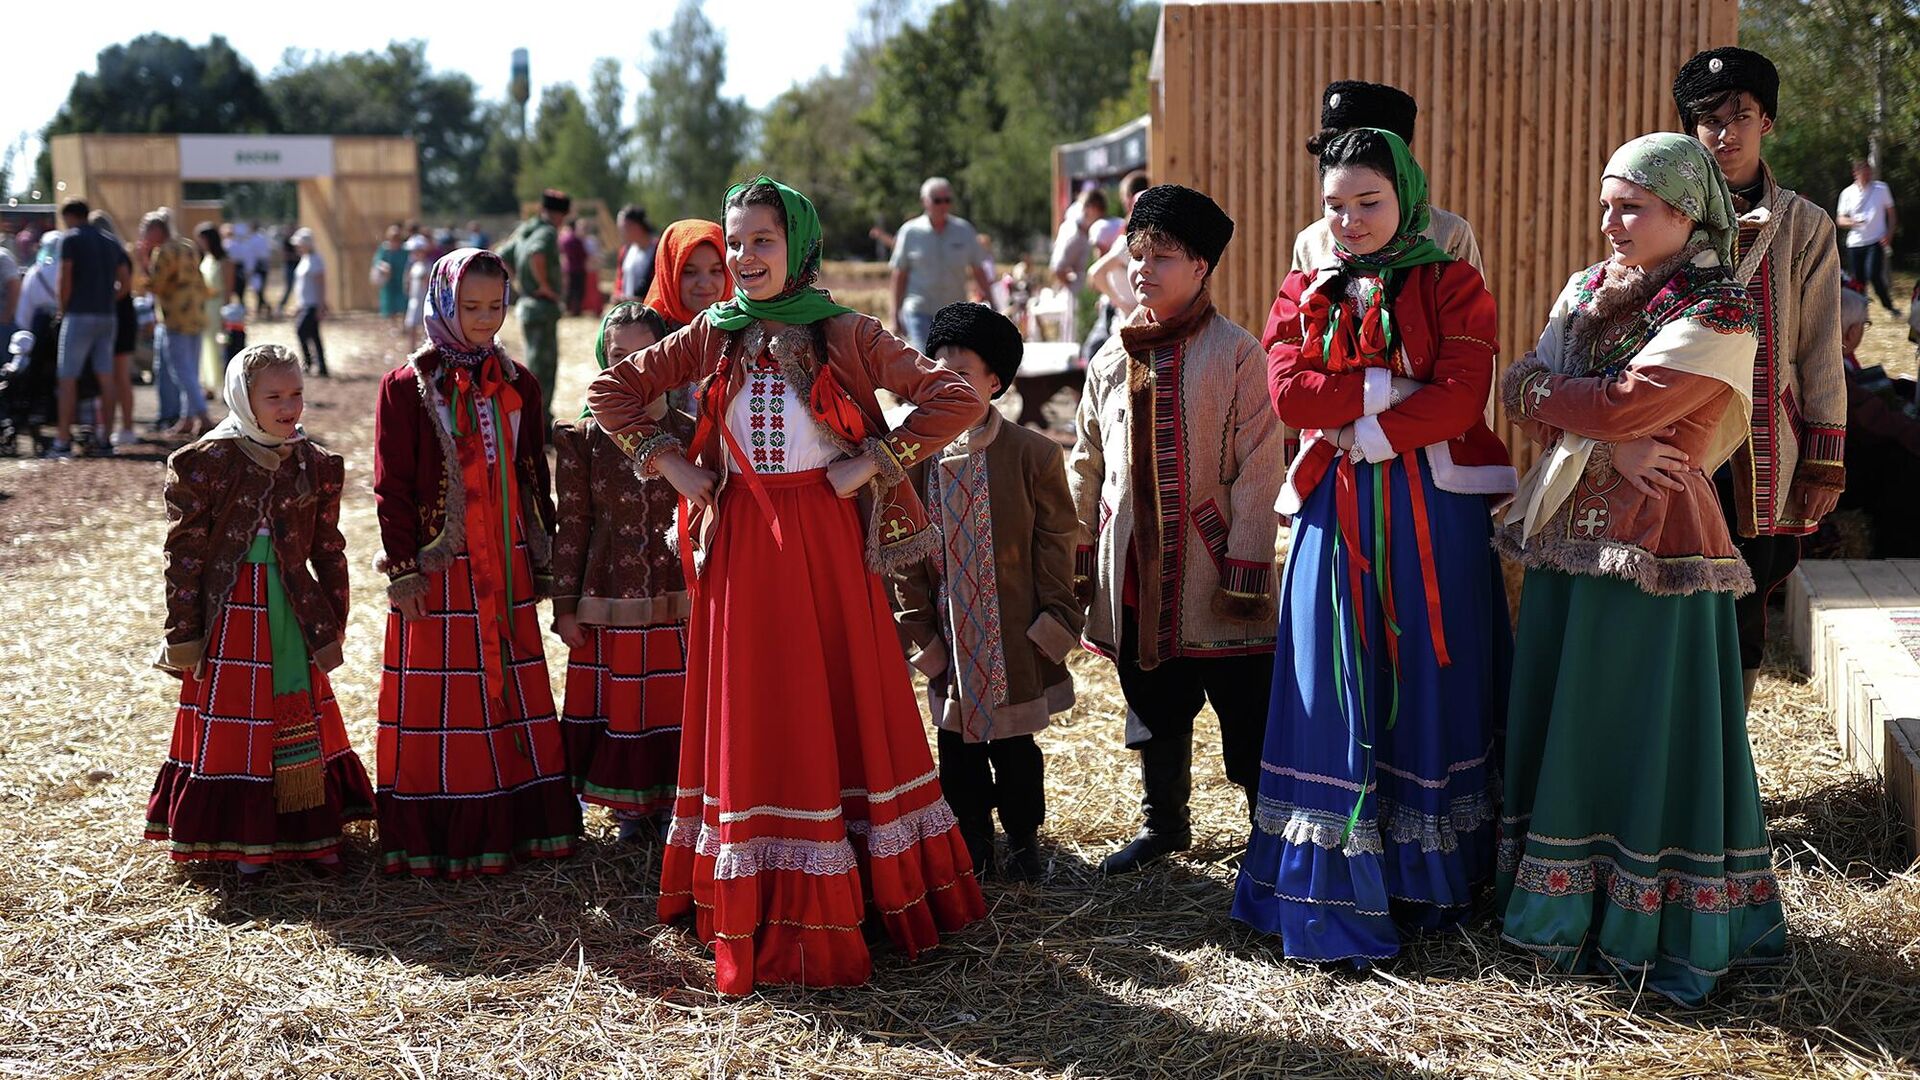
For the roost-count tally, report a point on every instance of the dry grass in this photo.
(115, 963)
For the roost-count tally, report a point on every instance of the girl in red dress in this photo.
(808, 802)
(260, 770)
(472, 775)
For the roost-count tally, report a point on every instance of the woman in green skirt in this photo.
(1632, 841)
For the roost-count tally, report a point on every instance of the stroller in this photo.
(29, 385)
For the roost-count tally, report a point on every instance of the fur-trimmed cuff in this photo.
(1377, 397)
(180, 656)
(931, 660)
(1243, 607)
(1052, 637)
(1372, 439)
(1819, 474)
(406, 585)
(890, 470)
(1514, 382)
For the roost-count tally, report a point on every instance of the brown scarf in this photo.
(1142, 336)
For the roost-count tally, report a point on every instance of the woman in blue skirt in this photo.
(1376, 813)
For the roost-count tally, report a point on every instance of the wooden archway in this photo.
(351, 187)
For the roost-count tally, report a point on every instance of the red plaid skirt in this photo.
(625, 688)
(214, 796)
(471, 780)
(808, 801)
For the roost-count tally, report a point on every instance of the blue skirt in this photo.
(1416, 755)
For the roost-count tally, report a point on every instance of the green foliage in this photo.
(804, 135)
(1827, 52)
(388, 92)
(983, 91)
(567, 150)
(491, 187)
(688, 140)
(1134, 102)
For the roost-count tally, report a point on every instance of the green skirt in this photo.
(1632, 840)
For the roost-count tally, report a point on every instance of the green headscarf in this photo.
(800, 303)
(1410, 246)
(1679, 169)
(600, 340)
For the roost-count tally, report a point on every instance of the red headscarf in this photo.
(676, 245)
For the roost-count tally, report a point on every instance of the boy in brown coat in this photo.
(990, 617)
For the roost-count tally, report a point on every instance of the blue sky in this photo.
(764, 55)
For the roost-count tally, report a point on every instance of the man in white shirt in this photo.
(1866, 212)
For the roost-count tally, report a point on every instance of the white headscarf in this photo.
(240, 422)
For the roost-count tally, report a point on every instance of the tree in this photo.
(984, 90)
(1829, 53)
(389, 92)
(492, 188)
(933, 105)
(810, 135)
(688, 140)
(156, 84)
(1050, 95)
(606, 106)
(566, 150)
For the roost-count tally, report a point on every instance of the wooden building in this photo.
(1521, 103)
(351, 187)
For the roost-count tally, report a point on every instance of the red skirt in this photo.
(471, 780)
(214, 798)
(808, 799)
(625, 688)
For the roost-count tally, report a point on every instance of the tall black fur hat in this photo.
(985, 331)
(1719, 71)
(1186, 215)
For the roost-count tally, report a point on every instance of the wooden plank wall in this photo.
(125, 175)
(1521, 102)
(375, 183)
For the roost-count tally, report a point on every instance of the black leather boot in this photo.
(1166, 777)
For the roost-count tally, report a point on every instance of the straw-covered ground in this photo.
(115, 962)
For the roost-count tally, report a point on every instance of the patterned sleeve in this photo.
(329, 555)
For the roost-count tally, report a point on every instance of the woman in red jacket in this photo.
(1375, 816)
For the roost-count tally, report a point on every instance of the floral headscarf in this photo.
(1679, 169)
(443, 306)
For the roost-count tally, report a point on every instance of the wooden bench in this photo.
(1855, 628)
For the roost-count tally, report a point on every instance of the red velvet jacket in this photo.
(417, 492)
(1445, 321)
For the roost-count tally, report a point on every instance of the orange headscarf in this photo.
(676, 244)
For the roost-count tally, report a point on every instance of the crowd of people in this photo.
(732, 476)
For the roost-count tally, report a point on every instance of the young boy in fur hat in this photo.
(1173, 479)
(991, 616)
(1791, 470)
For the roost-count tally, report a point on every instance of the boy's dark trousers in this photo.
(1007, 774)
(1161, 707)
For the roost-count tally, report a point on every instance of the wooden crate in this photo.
(1521, 102)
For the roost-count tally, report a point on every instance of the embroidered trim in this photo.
(1488, 345)
(1243, 578)
(896, 837)
(646, 452)
(1692, 892)
(1404, 825)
